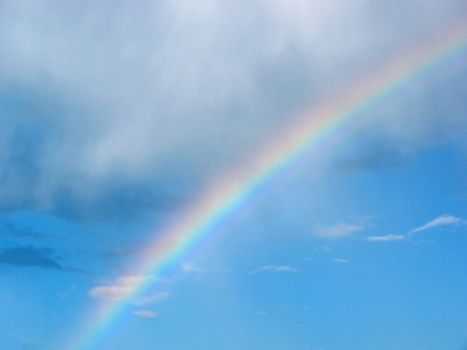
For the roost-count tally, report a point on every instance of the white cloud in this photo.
(276, 268)
(132, 280)
(341, 261)
(111, 293)
(189, 267)
(440, 221)
(385, 238)
(338, 231)
(147, 314)
(123, 287)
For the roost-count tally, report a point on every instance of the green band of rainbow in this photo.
(228, 193)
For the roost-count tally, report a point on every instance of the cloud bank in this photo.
(169, 94)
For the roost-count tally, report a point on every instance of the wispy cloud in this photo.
(275, 268)
(338, 231)
(341, 260)
(26, 233)
(146, 314)
(440, 221)
(385, 238)
(189, 267)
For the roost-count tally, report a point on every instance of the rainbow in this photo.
(231, 191)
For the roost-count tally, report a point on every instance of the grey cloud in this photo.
(373, 157)
(19, 232)
(29, 256)
(170, 94)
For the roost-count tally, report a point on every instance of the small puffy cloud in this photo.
(385, 238)
(443, 220)
(189, 267)
(112, 292)
(275, 268)
(147, 314)
(123, 287)
(341, 261)
(132, 280)
(338, 231)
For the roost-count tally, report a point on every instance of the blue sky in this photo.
(114, 116)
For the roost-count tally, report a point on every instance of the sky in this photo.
(117, 116)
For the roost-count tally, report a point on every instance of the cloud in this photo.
(341, 261)
(30, 256)
(372, 158)
(23, 232)
(147, 314)
(440, 221)
(338, 231)
(152, 298)
(275, 268)
(123, 288)
(107, 125)
(385, 238)
(189, 267)
(112, 293)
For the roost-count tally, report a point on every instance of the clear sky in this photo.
(115, 116)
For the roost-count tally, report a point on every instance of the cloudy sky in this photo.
(116, 116)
